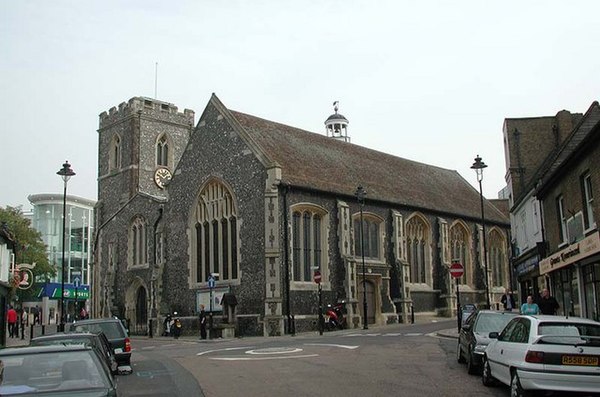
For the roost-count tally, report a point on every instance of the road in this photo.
(396, 360)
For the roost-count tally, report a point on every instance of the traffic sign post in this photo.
(76, 284)
(211, 284)
(317, 279)
(456, 271)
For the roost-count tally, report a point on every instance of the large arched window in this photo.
(137, 242)
(417, 242)
(162, 151)
(308, 242)
(114, 156)
(372, 231)
(459, 247)
(215, 234)
(497, 258)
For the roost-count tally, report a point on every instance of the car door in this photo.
(466, 335)
(514, 352)
(495, 352)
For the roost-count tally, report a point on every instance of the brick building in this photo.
(263, 205)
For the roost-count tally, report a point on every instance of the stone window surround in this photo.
(369, 217)
(137, 244)
(467, 262)
(114, 154)
(163, 142)
(426, 237)
(497, 244)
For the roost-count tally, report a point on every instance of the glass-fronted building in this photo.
(47, 218)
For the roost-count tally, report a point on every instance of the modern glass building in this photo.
(79, 227)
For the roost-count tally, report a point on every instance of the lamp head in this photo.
(360, 193)
(66, 172)
(478, 166)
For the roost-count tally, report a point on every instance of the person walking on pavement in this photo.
(176, 326)
(548, 304)
(530, 307)
(202, 322)
(507, 300)
(11, 319)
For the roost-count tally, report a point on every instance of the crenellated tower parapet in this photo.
(160, 110)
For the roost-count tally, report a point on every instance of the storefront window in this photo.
(591, 285)
(566, 291)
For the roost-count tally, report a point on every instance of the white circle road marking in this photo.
(222, 350)
(275, 350)
(331, 345)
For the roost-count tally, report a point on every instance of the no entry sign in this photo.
(317, 277)
(456, 270)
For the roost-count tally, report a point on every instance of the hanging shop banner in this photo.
(573, 253)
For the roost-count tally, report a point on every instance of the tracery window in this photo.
(216, 234)
(497, 258)
(162, 151)
(371, 236)
(417, 241)
(308, 241)
(459, 246)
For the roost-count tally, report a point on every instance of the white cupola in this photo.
(337, 125)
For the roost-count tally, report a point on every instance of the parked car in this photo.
(545, 353)
(466, 310)
(473, 337)
(115, 332)
(72, 370)
(97, 341)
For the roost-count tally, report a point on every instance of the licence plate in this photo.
(580, 360)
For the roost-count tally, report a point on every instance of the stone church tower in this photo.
(140, 144)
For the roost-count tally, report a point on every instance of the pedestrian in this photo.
(530, 307)
(548, 304)
(82, 313)
(202, 322)
(36, 314)
(11, 319)
(167, 325)
(176, 327)
(507, 300)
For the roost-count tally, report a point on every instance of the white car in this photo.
(545, 353)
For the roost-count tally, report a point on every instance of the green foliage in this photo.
(28, 242)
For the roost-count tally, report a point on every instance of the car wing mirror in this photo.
(466, 327)
(494, 335)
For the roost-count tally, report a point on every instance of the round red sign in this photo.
(317, 277)
(456, 270)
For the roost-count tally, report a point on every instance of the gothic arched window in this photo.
(497, 258)
(138, 242)
(417, 242)
(162, 151)
(459, 248)
(371, 238)
(114, 155)
(308, 240)
(216, 234)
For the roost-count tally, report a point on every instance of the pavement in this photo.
(419, 319)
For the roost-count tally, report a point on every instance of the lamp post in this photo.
(65, 173)
(360, 195)
(478, 166)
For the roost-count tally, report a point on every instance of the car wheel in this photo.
(459, 356)
(471, 367)
(515, 386)
(486, 375)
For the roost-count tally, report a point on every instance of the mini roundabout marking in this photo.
(268, 353)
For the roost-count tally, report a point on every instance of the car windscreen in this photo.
(112, 330)
(61, 341)
(51, 372)
(492, 322)
(569, 333)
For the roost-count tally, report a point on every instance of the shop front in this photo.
(574, 274)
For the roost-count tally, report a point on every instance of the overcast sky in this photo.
(431, 81)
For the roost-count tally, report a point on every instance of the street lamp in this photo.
(360, 195)
(65, 173)
(478, 166)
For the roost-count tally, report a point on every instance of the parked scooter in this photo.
(334, 316)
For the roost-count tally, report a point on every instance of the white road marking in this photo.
(148, 348)
(414, 334)
(221, 350)
(332, 345)
(275, 350)
(260, 358)
(398, 334)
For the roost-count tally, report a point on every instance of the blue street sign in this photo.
(211, 282)
(76, 282)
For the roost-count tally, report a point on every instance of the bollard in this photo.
(412, 314)
(22, 331)
(150, 329)
(31, 331)
(43, 329)
(293, 326)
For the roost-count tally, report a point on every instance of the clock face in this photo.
(162, 176)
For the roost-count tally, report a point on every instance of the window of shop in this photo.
(591, 288)
(588, 201)
(566, 291)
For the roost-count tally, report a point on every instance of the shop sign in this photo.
(573, 253)
(527, 266)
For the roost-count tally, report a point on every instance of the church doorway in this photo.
(371, 301)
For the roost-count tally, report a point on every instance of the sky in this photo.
(431, 81)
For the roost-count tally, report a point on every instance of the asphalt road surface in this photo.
(396, 360)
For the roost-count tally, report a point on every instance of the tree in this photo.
(29, 247)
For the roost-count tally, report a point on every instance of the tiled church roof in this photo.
(315, 161)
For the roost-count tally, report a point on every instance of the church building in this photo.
(238, 212)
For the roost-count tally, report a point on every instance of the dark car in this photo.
(115, 333)
(97, 341)
(71, 370)
(474, 336)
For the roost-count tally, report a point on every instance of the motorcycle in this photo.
(334, 316)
